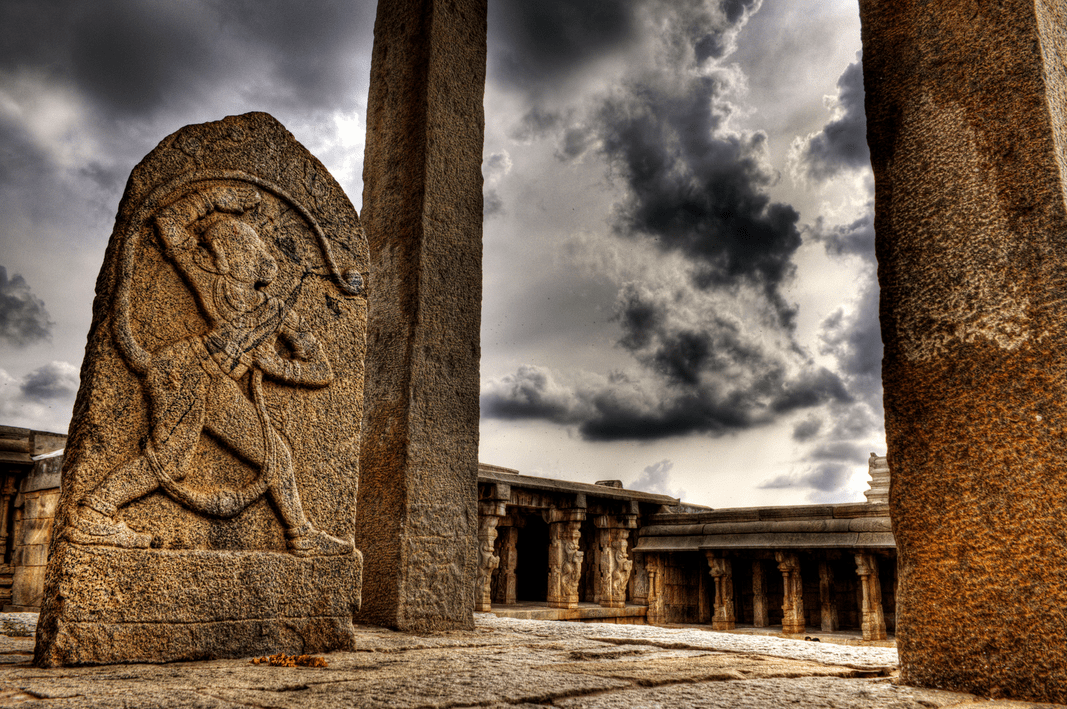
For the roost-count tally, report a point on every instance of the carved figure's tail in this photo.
(227, 503)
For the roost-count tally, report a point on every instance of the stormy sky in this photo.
(679, 255)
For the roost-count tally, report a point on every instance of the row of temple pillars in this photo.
(565, 556)
(793, 620)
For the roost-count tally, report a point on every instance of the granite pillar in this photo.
(613, 560)
(827, 598)
(793, 594)
(873, 620)
(509, 560)
(657, 606)
(760, 615)
(564, 556)
(966, 108)
(489, 514)
(422, 209)
(722, 572)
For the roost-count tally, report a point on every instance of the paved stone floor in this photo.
(502, 663)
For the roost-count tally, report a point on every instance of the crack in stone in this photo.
(881, 670)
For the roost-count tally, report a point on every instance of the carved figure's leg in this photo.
(235, 421)
(177, 414)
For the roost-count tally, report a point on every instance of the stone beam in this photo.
(422, 210)
(967, 120)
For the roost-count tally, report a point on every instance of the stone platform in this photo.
(585, 612)
(503, 663)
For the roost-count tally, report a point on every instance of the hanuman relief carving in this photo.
(213, 381)
(572, 559)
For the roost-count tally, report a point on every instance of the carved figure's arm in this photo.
(309, 367)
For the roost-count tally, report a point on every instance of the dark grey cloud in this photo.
(55, 380)
(530, 393)
(697, 192)
(492, 204)
(853, 239)
(535, 44)
(134, 59)
(690, 188)
(851, 335)
(807, 429)
(842, 143)
(854, 337)
(707, 377)
(23, 317)
(824, 477)
(41, 400)
(830, 467)
(495, 167)
(536, 123)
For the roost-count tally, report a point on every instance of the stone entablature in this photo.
(850, 525)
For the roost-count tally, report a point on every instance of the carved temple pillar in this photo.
(564, 556)
(827, 598)
(508, 551)
(873, 623)
(613, 561)
(722, 572)
(657, 607)
(489, 514)
(793, 592)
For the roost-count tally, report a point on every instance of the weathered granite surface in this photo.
(966, 107)
(504, 663)
(208, 500)
(422, 205)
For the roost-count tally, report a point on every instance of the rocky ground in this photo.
(502, 663)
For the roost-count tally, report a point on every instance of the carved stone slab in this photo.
(209, 489)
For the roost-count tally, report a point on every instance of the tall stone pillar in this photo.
(422, 211)
(722, 572)
(760, 616)
(793, 596)
(490, 513)
(967, 124)
(873, 623)
(827, 598)
(564, 556)
(613, 561)
(509, 560)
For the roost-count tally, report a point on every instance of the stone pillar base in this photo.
(161, 605)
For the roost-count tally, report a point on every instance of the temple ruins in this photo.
(963, 558)
(552, 549)
(30, 462)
